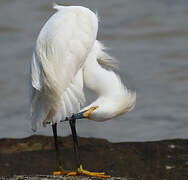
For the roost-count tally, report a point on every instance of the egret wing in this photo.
(61, 50)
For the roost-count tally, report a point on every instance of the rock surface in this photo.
(50, 177)
(35, 155)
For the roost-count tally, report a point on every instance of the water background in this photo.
(148, 37)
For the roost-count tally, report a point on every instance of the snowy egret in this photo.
(66, 57)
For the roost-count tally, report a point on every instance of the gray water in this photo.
(148, 37)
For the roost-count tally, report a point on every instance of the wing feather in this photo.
(35, 73)
(61, 50)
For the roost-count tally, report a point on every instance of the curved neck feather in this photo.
(113, 97)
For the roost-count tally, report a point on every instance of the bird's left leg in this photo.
(60, 170)
(80, 170)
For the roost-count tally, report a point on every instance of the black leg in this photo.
(75, 140)
(58, 162)
(80, 170)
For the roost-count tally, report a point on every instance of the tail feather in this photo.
(75, 103)
(64, 110)
(78, 94)
(68, 103)
(39, 111)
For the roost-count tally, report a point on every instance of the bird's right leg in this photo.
(60, 170)
(80, 170)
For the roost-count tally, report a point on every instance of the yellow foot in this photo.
(61, 171)
(64, 172)
(81, 171)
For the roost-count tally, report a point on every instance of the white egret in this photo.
(66, 57)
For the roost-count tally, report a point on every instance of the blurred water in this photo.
(148, 37)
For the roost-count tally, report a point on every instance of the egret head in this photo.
(99, 113)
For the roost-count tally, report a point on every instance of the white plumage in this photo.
(66, 57)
